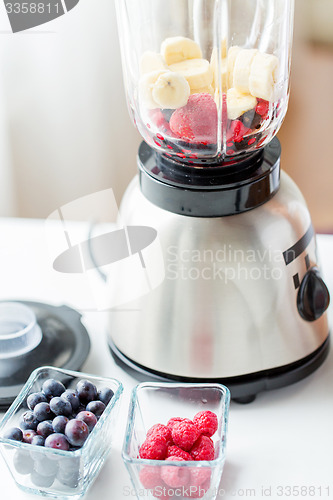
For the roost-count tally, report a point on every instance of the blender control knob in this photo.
(313, 296)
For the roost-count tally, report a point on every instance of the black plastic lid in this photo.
(65, 344)
(217, 190)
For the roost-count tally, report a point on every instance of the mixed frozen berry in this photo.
(180, 440)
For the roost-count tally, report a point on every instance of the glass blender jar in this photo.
(239, 298)
(206, 80)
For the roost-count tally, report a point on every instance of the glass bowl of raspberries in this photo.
(57, 433)
(175, 440)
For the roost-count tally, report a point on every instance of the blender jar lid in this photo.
(19, 331)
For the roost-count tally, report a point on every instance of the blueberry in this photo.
(38, 454)
(46, 467)
(105, 395)
(23, 463)
(42, 411)
(59, 424)
(68, 477)
(14, 433)
(45, 428)
(52, 388)
(96, 407)
(38, 440)
(42, 481)
(28, 436)
(28, 421)
(251, 119)
(72, 396)
(57, 441)
(167, 113)
(81, 408)
(76, 432)
(87, 417)
(86, 391)
(60, 406)
(35, 398)
(70, 463)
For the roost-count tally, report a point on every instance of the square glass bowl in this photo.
(154, 403)
(57, 473)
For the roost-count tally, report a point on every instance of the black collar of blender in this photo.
(217, 190)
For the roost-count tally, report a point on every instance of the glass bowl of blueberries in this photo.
(57, 433)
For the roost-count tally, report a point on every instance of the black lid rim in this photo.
(210, 192)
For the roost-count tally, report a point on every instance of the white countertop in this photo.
(284, 439)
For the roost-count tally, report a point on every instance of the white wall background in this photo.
(68, 130)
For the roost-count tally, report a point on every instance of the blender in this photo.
(242, 301)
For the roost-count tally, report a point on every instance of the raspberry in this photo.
(197, 121)
(175, 476)
(197, 491)
(157, 118)
(206, 422)
(154, 448)
(175, 420)
(174, 451)
(161, 430)
(150, 477)
(203, 449)
(159, 121)
(199, 475)
(262, 108)
(185, 434)
(236, 131)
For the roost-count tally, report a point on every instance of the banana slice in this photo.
(215, 70)
(151, 61)
(178, 49)
(204, 90)
(146, 86)
(242, 69)
(232, 54)
(263, 76)
(224, 49)
(171, 90)
(197, 72)
(238, 103)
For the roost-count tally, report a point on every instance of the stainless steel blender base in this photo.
(229, 297)
(243, 389)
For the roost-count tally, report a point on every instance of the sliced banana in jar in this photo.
(242, 69)
(178, 49)
(151, 61)
(204, 90)
(263, 76)
(171, 90)
(146, 86)
(197, 72)
(239, 103)
(232, 54)
(220, 72)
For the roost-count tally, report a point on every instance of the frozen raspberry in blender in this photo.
(197, 121)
